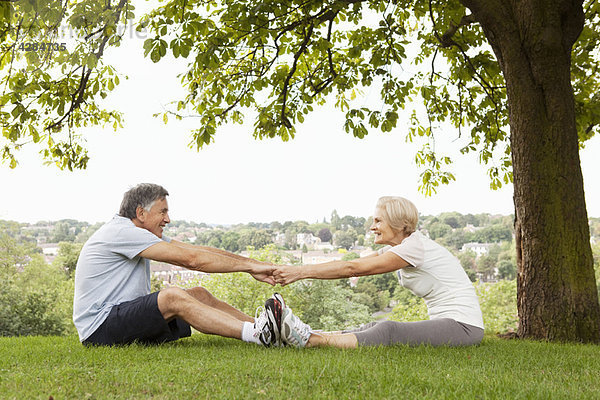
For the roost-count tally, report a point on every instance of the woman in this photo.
(423, 266)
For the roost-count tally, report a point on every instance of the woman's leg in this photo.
(341, 340)
(437, 332)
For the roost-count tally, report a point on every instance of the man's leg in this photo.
(175, 302)
(204, 296)
(167, 315)
(219, 318)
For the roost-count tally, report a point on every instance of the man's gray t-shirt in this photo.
(110, 272)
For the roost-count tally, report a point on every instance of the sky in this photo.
(239, 179)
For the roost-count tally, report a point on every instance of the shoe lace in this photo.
(258, 314)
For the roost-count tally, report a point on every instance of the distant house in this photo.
(470, 228)
(308, 240)
(480, 249)
(50, 251)
(279, 239)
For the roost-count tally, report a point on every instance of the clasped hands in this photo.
(276, 274)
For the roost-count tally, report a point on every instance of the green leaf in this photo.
(148, 45)
(91, 61)
(17, 110)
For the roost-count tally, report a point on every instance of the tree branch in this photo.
(77, 97)
(589, 128)
(590, 6)
(326, 14)
(284, 92)
(329, 53)
(446, 38)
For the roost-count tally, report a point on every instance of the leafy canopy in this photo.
(53, 76)
(281, 59)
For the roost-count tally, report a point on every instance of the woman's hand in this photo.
(286, 274)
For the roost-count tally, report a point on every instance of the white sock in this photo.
(248, 333)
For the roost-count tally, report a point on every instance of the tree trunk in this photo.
(556, 288)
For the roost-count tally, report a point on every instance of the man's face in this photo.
(155, 219)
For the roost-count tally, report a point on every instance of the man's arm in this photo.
(207, 260)
(213, 250)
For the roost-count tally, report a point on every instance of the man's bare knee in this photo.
(171, 301)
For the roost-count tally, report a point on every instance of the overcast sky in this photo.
(238, 179)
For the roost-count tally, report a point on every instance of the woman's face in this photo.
(384, 234)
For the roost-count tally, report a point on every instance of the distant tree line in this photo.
(450, 229)
(36, 297)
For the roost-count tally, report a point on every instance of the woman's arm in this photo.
(372, 265)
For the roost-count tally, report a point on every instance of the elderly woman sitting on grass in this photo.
(423, 266)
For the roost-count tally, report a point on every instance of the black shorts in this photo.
(138, 320)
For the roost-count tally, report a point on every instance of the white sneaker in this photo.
(264, 329)
(293, 331)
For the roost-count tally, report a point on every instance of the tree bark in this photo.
(556, 289)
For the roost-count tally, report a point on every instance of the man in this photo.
(113, 304)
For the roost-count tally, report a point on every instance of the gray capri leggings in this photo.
(436, 332)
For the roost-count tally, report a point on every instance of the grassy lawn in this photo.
(211, 367)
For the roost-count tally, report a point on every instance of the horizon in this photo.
(214, 225)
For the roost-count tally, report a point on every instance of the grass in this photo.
(211, 367)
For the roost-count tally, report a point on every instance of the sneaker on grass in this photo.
(277, 307)
(274, 309)
(293, 331)
(265, 328)
(268, 323)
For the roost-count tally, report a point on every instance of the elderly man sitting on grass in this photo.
(113, 304)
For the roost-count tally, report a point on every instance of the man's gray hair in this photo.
(143, 195)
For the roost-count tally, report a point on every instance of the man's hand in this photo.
(264, 273)
(286, 274)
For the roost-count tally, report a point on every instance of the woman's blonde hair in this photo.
(400, 213)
